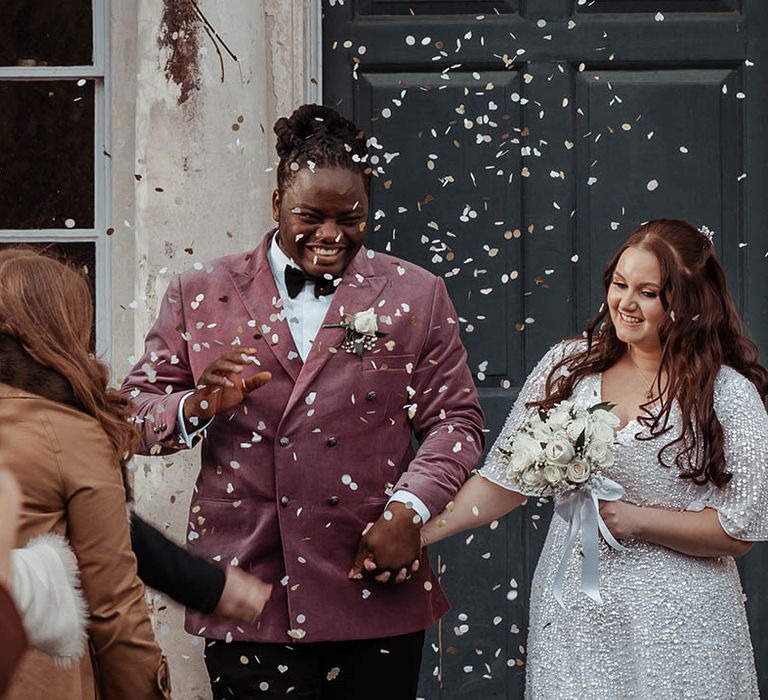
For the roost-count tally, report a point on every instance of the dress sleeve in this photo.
(742, 504)
(534, 389)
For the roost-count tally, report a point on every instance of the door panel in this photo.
(525, 142)
(657, 143)
(433, 7)
(624, 6)
(463, 238)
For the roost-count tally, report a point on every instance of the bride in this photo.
(691, 453)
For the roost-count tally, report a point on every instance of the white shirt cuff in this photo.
(182, 424)
(412, 501)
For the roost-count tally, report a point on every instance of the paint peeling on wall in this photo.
(179, 29)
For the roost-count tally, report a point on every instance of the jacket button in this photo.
(371, 396)
(162, 427)
(284, 501)
(333, 501)
(331, 442)
(284, 441)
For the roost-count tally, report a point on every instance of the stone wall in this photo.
(194, 89)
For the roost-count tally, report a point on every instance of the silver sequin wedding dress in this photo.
(670, 625)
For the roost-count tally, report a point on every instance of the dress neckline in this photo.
(598, 378)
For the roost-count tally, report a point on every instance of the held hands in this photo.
(622, 519)
(220, 386)
(244, 596)
(391, 546)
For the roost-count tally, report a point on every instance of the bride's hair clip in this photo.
(707, 233)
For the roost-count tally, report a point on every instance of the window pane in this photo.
(46, 33)
(46, 154)
(81, 254)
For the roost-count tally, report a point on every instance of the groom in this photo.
(306, 366)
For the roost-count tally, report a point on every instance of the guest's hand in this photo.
(621, 518)
(220, 386)
(391, 545)
(10, 507)
(244, 596)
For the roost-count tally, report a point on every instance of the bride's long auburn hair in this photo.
(700, 332)
(47, 306)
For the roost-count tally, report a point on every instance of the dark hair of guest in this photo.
(46, 305)
(700, 332)
(315, 136)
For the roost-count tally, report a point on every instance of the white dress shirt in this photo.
(304, 314)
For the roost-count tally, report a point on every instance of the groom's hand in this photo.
(391, 545)
(221, 387)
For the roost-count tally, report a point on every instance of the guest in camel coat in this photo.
(67, 460)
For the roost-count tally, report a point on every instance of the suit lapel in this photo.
(256, 286)
(359, 290)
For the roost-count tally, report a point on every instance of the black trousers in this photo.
(370, 669)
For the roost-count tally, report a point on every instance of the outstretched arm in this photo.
(446, 419)
(192, 581)
(478, 502)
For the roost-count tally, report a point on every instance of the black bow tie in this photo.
(296, 278)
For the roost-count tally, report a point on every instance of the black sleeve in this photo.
(172, 570)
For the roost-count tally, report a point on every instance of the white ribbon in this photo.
(580, 509)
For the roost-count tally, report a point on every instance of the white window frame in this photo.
(99, 74)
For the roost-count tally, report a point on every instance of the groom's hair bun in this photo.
(315, 136)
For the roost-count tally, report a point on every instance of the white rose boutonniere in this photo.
(362, 331)
(365, 322)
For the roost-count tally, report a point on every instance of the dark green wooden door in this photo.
(521, 142)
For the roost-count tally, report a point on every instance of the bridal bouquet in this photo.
(562, 448)
(564, 451)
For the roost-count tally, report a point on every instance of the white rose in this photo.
(599, 453)
(520, 460)
(552, 474)
(581, 412)
(526, 448)
(599, 431)
(364, 322)
(607, 417)
(576, 427)
(558, 417)
(577, 472)
(532, 477)
(541, 431)
(559, 450)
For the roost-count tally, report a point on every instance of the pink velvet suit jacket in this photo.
(292, 475)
